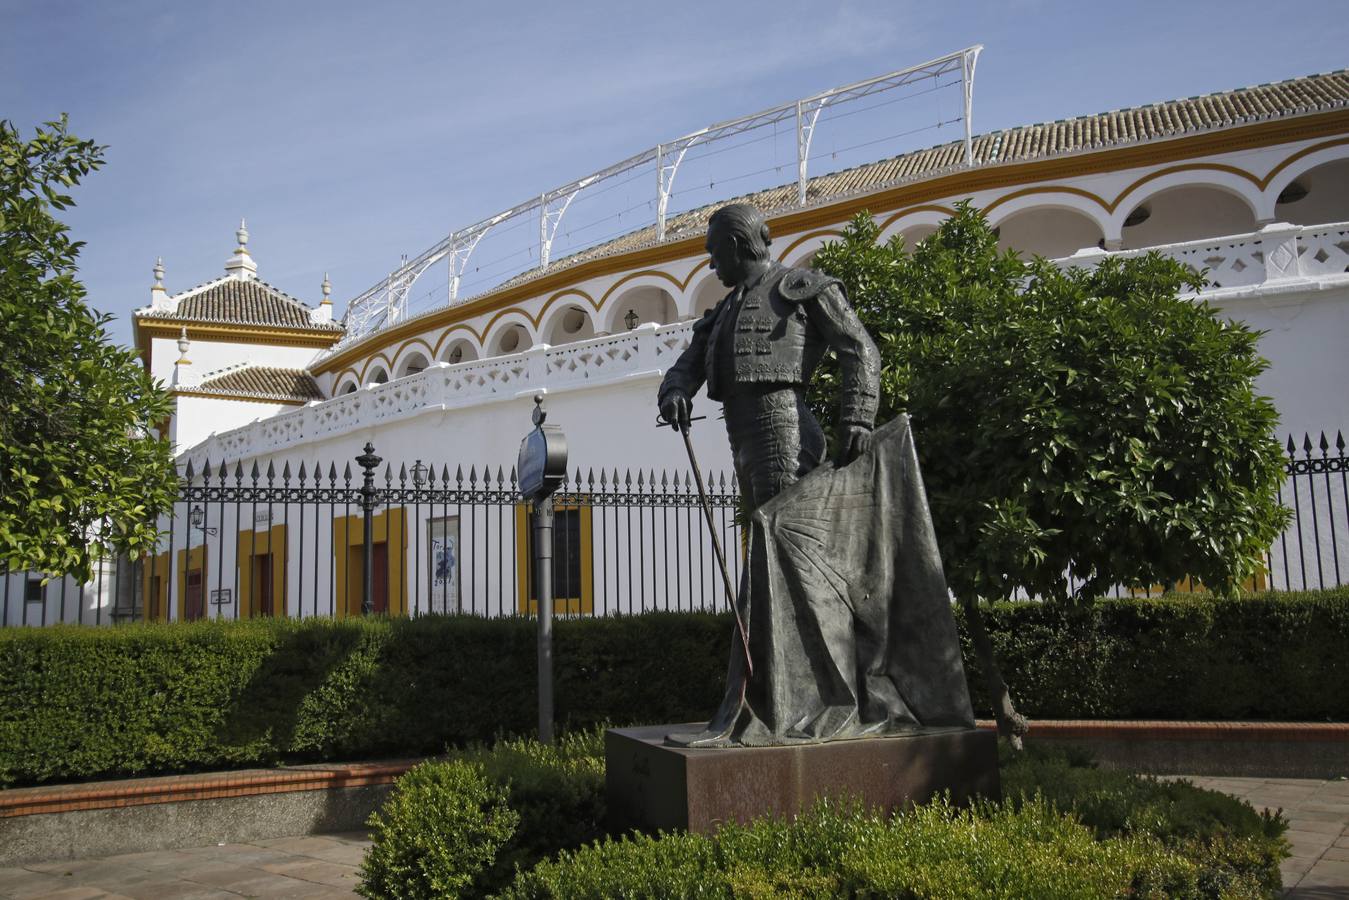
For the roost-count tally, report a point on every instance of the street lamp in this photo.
(631, 319)
(197, 519)
(419, 474)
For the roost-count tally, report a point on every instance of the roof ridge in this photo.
(1155, 104)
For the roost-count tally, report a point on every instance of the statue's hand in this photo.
(676, 408)
(853, 441)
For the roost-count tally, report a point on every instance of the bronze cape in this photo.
(849, 620)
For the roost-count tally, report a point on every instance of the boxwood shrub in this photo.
(78, 703)
(1064, 830)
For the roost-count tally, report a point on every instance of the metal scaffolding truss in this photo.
(386, 302)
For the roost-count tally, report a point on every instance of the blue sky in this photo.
(348, 133)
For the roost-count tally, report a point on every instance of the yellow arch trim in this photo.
(388, 366)
(822, 232)
(1306, 151)
(1048, 189)
(644, 272)
(1110, 206)
(1192, 167)
(922, 207)
(487, 329)
(560, 295)
(350, 370)
(444, 336)
(431, 358)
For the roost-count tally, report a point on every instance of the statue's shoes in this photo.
(701, 740)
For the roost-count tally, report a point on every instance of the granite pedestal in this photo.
(653, 786)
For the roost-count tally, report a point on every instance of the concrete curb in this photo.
(1237, 749)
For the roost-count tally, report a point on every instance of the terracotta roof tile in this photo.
(264, 382)
(240, 301)
(1313, 93)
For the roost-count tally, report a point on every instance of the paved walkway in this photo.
(325, 866)
(295, 867)
(1318, 829)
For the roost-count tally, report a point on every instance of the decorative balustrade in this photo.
(1276, 253)
(647, 348)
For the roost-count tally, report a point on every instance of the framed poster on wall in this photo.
(443, 535)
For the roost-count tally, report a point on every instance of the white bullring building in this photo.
(1250, 184)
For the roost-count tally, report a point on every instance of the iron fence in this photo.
(294, 541)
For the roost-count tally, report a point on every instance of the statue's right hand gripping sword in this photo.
(716, 541)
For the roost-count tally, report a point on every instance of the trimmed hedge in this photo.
(428, 843)
(1271, 657)
(1065, 830)
(78, 703)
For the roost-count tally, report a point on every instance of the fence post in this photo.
(543, 574)
(367, 461)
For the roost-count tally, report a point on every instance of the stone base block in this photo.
(653, 786)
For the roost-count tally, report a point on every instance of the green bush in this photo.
(438, 835)
(1065, 829)
(934, 851)
(1183, 656)
(557, 790)
(1235, 850)
(79, 703)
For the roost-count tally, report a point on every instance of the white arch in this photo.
(378, 374)
(513, 319)
(705, 294)
(802, 253)
(347, 385)
(923, 219)
(413, 359)
(1227, 182)
(1054, 235)
(648, 296)
(468, 347)
(554, 325)
(1295, 170)
(1062, 200)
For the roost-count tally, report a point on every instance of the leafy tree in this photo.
(1077, 428)
(81, 475)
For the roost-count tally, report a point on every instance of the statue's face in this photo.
(727, 260)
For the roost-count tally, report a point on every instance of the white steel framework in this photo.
(387, 302)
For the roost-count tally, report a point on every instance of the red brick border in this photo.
(206, 786)
(1158, 730)
(251, 782)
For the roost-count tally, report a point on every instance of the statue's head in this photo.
(736, 236)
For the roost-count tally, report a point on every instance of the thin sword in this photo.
(716, 546)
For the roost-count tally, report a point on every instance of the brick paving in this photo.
(1318, 829)
(324, 866)
(321, 867)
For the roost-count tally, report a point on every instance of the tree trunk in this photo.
(1011, 724)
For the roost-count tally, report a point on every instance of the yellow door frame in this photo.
(156, 603)
(188, 559)
(582, 605)
(349, 549)
(258, 543)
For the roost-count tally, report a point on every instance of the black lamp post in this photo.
(631, 319)
(419, 474)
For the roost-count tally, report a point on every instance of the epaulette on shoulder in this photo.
(802, 284)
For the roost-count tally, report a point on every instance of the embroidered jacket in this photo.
(776, 334)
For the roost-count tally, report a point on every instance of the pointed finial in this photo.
(540, 414)
(159, 274)
(240, 264)
(183, 345)
(327, 289)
